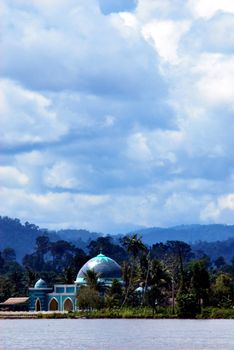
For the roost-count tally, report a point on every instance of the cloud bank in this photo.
(117, 116)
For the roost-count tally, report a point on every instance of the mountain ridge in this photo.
(22, 237)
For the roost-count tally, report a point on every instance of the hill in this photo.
(187, 233)
(22, 237)
(217, 249)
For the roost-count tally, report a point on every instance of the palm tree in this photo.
(91, 278)
(134, 244)
(90, 296)
(135, 247)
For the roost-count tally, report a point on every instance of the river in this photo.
(116, 334)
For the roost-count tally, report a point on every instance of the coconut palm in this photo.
(91, 278)
(134, 247)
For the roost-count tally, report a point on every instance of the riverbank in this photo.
(125, 313)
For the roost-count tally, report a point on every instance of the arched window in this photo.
(68, 305)
(38, 305)
(53, 305)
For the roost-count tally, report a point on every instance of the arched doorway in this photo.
(68, 305)
(53, 305)
(38, 305)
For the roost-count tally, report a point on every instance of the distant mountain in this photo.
(187, 233)
(217, 249)
(74, 235)
(22, 237)
(80, 238)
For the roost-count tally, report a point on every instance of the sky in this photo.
(117, 114)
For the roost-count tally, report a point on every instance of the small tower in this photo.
(38, 296)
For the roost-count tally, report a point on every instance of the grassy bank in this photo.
(216, 313)
(124, 313)
(127, 313)
(142, 313)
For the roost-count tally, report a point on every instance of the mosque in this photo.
(63, 297)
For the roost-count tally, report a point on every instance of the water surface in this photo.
(116, 334)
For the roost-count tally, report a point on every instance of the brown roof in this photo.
(15, 301)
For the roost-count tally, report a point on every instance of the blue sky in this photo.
(116, 115)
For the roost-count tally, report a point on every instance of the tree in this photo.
(31, 277)
(62, 253)
(91, 279)
(68, 275)
(88, 298)
(135, 247)
(114, 294)
(106, 245)
(186, 304)
(223, 290)
(42, 244)
(180, 251)
(8, 255)
(200, 281)
(220, 263)
(155, 290)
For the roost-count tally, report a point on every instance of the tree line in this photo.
(154, 276)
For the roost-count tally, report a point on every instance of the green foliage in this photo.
(106, 245)
(91, 279)
(134, 245)
(223, 290)
(114, 295)
(89, 299)
(135, 248)
(216, 313)
(200, 281)
(126, 312)
(186, 305)
(166, 270)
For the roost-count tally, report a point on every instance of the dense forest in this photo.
(153, 276)
(22, 237)
(214, 240)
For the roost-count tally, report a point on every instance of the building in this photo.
(15, 304)
(63, 297)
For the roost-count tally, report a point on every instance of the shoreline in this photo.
(207, 313)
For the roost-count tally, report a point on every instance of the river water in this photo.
(116, 334)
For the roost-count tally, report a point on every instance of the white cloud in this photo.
(61, 174)
(216, 81)
(148, 9)
(26, 116)
(138, 148)
(215, 35)
(71, 52)
(165, 37)
(154, 148)
(104, 213)
(220, 210)
(32, 158)
(207, 9)
(12, 177)
(55, 210)
(132, 110)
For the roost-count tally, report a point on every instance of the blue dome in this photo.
(106, 268)
(40, 284)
